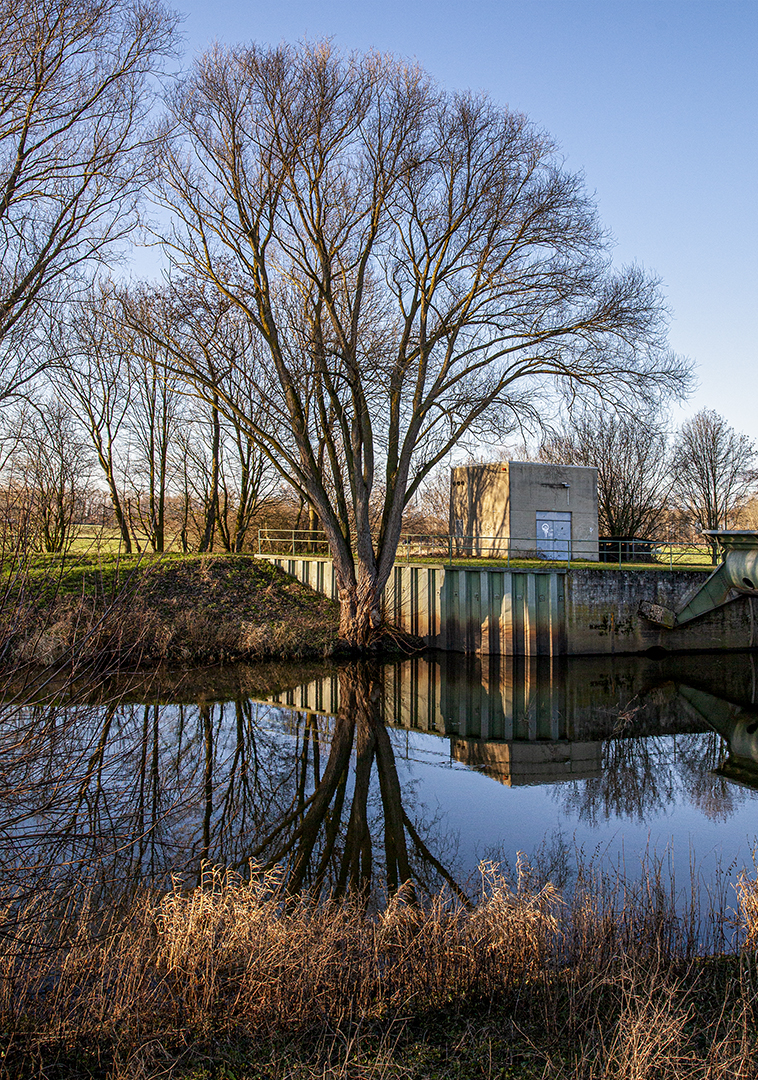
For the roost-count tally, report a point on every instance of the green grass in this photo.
(91, 573)
(172, 608)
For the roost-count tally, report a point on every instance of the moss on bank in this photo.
(173, 609)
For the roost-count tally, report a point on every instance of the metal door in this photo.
(553, 534)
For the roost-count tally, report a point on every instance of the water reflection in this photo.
(124, 792)
(327, 837)
(619, 738)
(737, 724)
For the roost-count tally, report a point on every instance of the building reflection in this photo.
(622, 732)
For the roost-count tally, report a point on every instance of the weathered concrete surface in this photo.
(535, 486)
(578, 612)
(494, 507)
(480, 508)
(602, 613)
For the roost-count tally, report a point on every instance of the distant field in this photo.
(91, 540)
(108, 540)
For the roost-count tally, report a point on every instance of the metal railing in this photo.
(292, 542)
(508, 551)
(520, 551)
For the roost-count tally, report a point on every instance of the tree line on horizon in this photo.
(362, 273)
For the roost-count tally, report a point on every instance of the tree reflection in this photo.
(644, 775)
(635, 781)
(331, 839)
(111, 797)
(711, 792)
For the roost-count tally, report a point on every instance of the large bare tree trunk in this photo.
(412, 266)
(360, 613)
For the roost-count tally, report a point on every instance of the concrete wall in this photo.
(480, 508)
(566, 488)
(579, 612)
(602, 605)
(502, 500)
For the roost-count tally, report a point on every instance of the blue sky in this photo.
(654, 100)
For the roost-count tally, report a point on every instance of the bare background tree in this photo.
(52, 466)
(155, 417)
(75, 151)
(631, 456)
(416, 264)
(93, 379)
(714, 472)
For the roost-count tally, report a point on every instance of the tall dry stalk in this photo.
(239, 958)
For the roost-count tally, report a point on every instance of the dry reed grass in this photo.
(607, 983)
(175, 610)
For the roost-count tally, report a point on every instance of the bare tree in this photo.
(93, 379)
(246, 482)
(154, 416)
(191, 328)
(429, 512)
(52, 463)
(416, 264)
(199, 324)
(75, 149)
(196, 467)
(714, 471)
(632, 460)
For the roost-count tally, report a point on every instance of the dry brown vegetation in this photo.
(176, 610)
(233, 979)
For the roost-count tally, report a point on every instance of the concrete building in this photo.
(526, 508)
(516, 764)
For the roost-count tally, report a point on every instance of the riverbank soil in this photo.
(141, 611)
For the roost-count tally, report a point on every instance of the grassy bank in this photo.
(173, 609)
(234, 980)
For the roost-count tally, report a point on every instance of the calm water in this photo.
(360, 776)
